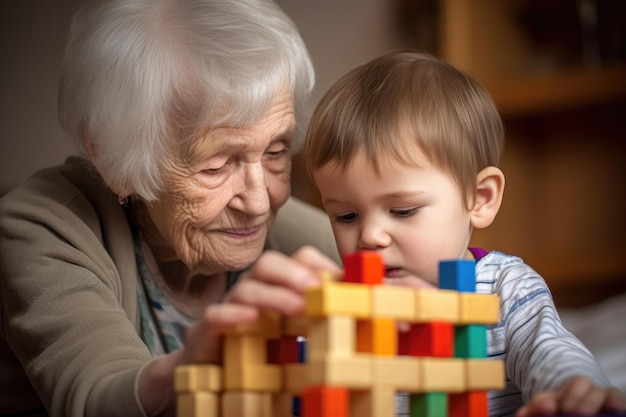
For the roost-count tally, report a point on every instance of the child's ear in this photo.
(489, 192)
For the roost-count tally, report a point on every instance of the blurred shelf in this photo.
(518, 96)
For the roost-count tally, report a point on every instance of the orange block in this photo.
(468, 404)
(325, 401)
(377, 336)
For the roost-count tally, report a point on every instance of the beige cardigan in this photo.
(69, 344)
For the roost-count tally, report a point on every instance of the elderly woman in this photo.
(120, 265)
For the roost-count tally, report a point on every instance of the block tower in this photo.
(356, 360)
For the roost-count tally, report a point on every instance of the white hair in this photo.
(142, 78)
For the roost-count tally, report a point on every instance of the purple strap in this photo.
(478, 252)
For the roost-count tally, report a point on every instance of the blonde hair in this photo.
(141, 79)
(402, 98)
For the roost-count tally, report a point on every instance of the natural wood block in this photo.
(377, 336)
(484, 374)
(338, 298)
(393, 302)
(244, 350)
(479, 308)
(197, 378)
(294, 378)
(436, 305)
(443, 375)
(248, 404)
(400, 372)
(253, 378)
(354, 372)
(197, 404)
(334, 336)
(282, 405)
(376, 402)
(296, 326)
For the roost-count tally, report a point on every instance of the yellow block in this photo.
(442, 375)
(339, 298)
(479, 308)
(331, 336)
(484, 374)
(393, 302)
(436, 305)
(354, 372)
(198, 378)
(196, 404)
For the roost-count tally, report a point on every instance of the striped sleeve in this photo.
(539, 353)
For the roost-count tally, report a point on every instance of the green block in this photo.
(470, 341)
(432, 404)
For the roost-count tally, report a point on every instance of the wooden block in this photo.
(266, 378)
(468, 404)
(376, 402)
(458, 275)
(334, 336)
(427, 339)
(267, 325)
(436, 305)
(393, 302)
(283, 350)
(364, 267)
(433, 404)
(377, 336)
(330, 276)
(197, 404)
(470, 341)
(338, 298)
(282, 405)
(296, 326)
(354, 372)
(484, 374)
(325, 402)
(443, 375)
(244, 350)
(479, 308)
(400, 373)
(189, 378)
(294, 378)
(248, 404)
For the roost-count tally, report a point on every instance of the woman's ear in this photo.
(489, 193)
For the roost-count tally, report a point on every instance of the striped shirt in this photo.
(539, 353)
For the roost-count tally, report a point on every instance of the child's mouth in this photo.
(394, 272)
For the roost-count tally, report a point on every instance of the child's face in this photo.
(412, 215)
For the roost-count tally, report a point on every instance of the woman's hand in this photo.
(578, 396)
(275, 282)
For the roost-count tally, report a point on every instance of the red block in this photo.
(365, 267)
(468, 404)
(283, 351)
(427, 339)
(325, 402)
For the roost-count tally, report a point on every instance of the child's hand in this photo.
(578, 396)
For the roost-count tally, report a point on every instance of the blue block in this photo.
(458, 274)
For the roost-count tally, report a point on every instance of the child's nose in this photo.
(373, 237)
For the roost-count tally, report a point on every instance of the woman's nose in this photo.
(251, 194)
(373, 236)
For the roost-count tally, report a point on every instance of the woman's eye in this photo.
(408, 212)
(346, 218)
(276, 153)
(215, 169)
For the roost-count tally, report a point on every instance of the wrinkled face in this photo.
(217, 209)
(412, 215)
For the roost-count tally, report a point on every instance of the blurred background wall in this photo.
(557, 71)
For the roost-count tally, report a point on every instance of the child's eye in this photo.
(408, 212)
(346, 218)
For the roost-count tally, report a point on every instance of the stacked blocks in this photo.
(356, 360)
